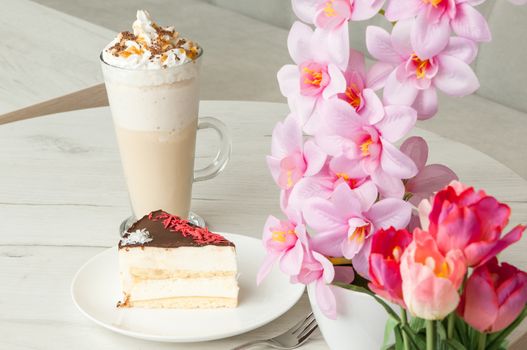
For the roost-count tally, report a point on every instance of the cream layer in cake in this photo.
(165, 262)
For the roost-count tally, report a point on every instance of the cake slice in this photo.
(167, 262)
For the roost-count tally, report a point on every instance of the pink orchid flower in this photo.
(472, 222)
(313, 77)
(430, 178)
(384, 266)
(345, 220)
(336, 171)
(415, 78)
(318, 269)
(431, 279)
(331, 18)
(435, 18)
(290, 158)
(360, 91)
(493, 297)
(368, 144)
(283, 243)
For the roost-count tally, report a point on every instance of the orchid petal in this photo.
(396, 163)
(325, 299)
(299, 42)
(461, 48)
(377, 75)
(397, 122)
(289, 80)
(380, 46)
(390, 212)
(399, 92)
(455, 77)
(402, 9)
(365, 9)
(266, 266)
(416, 148)
(305, 9)
(315, 158)
(337, 83)
(470, 24)
(291, 261)
(429, 38)
(373, 108)
(426, 103)
(388, 186)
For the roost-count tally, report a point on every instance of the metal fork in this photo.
(290, 339)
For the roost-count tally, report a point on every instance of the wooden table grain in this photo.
(62, 196)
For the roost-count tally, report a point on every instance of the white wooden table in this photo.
(62, 196)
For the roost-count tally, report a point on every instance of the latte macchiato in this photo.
(152, 80)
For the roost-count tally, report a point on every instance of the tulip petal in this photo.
(478, 292)
(510, 310)
(455, 77)
(480, 252)
(470, 24)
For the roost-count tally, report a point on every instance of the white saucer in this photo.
(95, 290)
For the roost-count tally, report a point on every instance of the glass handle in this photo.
(222, 156)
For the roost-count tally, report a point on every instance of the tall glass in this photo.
(155, 114)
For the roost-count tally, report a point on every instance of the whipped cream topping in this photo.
(137, 237)
(150, 46)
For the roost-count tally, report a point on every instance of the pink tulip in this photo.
(314, 77)
(345, 220)
(494, 296)
(461, 218)
(435, 19)
(368, 147)
(431, 279)
(430, 178)
(290, 158)
(384, 266)
(283, 243)
(415, 78)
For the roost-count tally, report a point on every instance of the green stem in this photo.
(404, 321)
(450, 325)
(430, 334)
(482, 341)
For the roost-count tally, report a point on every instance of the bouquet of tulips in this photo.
(381, 220)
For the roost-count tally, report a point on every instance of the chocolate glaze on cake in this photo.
(170, 231)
